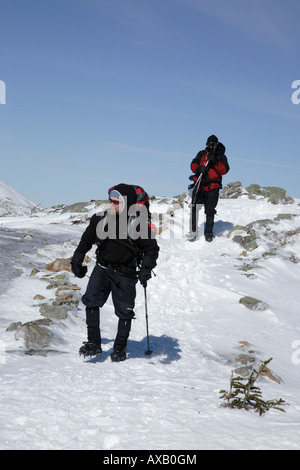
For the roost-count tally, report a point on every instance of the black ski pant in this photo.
(102, 283)
(210, 200)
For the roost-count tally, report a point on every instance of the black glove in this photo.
(79, 270)
(200, 169)
(212, 159)
(76, 263)
(144, 275)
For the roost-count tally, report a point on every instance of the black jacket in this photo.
(120, 250)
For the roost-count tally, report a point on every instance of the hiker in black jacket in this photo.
(125, 240)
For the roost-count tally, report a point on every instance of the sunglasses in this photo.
(114, 201)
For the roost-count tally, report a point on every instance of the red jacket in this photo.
(212, 178)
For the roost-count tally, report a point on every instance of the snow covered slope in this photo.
(197, 325)
(12, 203)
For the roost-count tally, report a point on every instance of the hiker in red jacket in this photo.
(210, 165)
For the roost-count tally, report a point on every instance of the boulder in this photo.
(273, 194)
(253, 304)
(34, 272)
(245, 236)
(76, 207)
(232, 190)
(63, 298)
(35, 334)
(60, 264)
(15, 325)
(63, 264)
(39, 297)
(248, 361)
(59, 312)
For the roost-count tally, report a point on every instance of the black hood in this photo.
(220, 148)
(126, 190)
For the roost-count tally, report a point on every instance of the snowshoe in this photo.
(90, 349)
(118, 355)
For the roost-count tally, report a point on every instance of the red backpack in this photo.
(142, 199)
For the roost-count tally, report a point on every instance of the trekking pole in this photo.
(148, 352)
(197, 186)
(195, 190)
(193, 205)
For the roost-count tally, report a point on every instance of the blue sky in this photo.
(100, 92)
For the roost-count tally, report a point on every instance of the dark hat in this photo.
(212, 138)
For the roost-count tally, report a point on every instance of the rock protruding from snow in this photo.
(272, 194)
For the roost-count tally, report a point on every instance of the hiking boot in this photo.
(209, 237)
(90, 349)
(118, 355)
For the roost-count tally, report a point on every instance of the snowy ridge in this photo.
(12, 203)
(196, 323)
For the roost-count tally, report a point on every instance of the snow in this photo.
(169, 400)
(12, 202)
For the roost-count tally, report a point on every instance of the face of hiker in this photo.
(116, 204)
(121, 198)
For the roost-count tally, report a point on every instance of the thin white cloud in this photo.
(270, 101)
(166, 154)
(145, 151)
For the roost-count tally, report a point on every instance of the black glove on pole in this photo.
(201, 170)
(144, 275)
(212, 159)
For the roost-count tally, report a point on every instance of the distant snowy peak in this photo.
(13, 203)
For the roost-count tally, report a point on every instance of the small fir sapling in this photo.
(243, 394)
